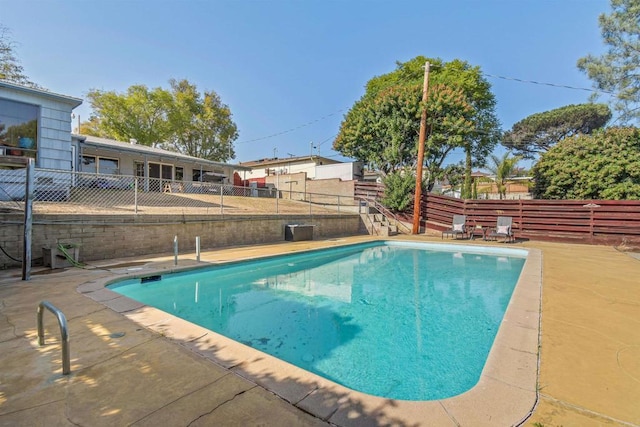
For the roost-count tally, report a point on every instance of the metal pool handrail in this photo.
(64, 334)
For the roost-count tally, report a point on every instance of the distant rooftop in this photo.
(139, 148)
(285, 160)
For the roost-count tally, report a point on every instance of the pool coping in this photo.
(506, 393)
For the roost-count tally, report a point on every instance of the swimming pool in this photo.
(424, 315)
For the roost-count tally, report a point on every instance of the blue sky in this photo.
(301, 64)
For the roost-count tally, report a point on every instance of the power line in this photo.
(547, 84)
(328, 139)
(292, 129)
(515, 79)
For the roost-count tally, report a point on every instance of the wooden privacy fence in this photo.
(368, 190)
(584, 221)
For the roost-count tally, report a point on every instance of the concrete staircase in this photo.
(377, 224)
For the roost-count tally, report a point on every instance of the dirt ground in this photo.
(122, 202)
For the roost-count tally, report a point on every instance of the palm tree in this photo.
(503, 168)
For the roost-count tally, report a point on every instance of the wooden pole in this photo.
(423, 132)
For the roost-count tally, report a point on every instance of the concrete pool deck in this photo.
(126, 374)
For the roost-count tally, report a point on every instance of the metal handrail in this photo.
(64, 334)
(386, 212)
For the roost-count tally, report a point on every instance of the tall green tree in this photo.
(201, 124)
(10, 67)
(539, 132)
(618, 70)
(140, 113)
(604, 165)
(477, 140)
(382, 127)
(503, 169)
(179, 119)
(481, 141)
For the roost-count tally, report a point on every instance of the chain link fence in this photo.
(60, 192)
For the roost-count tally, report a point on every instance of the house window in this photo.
(108, 166)
(19, 128)
(179, 173)
(139, 168)
(89, 164)
(103, 165)
(198, 176)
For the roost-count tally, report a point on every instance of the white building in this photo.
(315, 167)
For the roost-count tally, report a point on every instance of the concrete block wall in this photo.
(291, 186)
(297, 187)
(332, 186)
(111, 236)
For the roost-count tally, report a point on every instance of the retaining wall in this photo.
(113, 236)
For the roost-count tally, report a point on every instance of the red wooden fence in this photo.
(581, 221)
(584, 221)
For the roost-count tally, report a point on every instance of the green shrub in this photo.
(605, 165)
(399, 190)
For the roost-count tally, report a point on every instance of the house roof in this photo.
(286, 160)
(74, 102)
(111, 144)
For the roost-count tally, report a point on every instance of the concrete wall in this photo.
(291, 186)
(112, 236)
(343, 171)
(297, 183)
(334, 187)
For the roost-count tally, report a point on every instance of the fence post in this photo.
(424, 200)
(591, 224)
(520, 207)
(310, 205)
(28, 220)
(221, 200)
(135, 195)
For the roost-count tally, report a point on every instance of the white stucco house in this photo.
(315, 167)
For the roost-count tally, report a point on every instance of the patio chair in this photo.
(503, 229)
(458, 227)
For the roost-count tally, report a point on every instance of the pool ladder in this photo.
(64, 333)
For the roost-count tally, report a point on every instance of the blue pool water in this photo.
(393, 319)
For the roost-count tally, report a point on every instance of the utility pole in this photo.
(421, 138)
